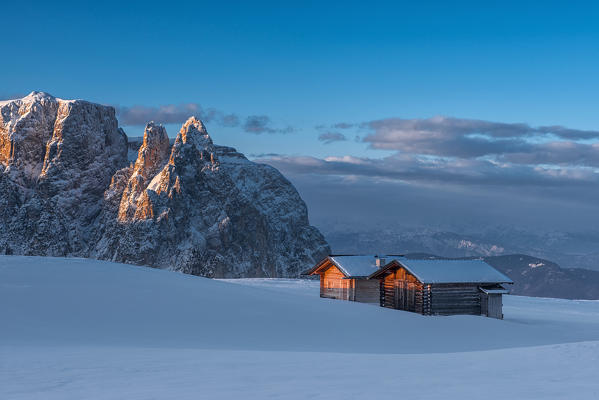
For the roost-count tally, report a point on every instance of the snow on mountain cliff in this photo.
(76, 328)
(67, 189)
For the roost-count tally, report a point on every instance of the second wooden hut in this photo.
(442, 287)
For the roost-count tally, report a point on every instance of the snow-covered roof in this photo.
(453, 271)
(357, 266)
(426, 271)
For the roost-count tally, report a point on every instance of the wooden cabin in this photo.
(442, 287)
(345, 277)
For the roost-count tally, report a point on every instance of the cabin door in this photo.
(495, 306)
(405, 296)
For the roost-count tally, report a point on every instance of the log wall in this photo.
(402, 291)
(451, 299)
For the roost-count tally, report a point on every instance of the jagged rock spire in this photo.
(152, 156)
(64, 174)
(153, 151)
(194, 133)
(192, 125)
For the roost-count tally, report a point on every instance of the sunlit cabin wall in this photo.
(334, 285)
(387, 290)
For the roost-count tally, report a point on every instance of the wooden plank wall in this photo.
(366, 291)
(484, 304)
(426, 300)
(450, 299)
(401, 290)
(387, 291)
(495, 306)
(334, 286)
(408, 296)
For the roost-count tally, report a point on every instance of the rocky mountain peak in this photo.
(59, 156)
(154, 150)
(38, 96)
(193, 126)
(194, 138)
(151, 158)
(194, 132)
(67, 189)
(153, 133)
(27, 125)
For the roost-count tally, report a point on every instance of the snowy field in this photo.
(81, 329)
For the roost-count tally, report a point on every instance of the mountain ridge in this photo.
(68, 189)
(533, 275)
(569, 249)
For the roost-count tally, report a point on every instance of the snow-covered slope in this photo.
(103, 302)
(74, 328)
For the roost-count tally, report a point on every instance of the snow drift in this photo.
(55, 300)
(75, 328)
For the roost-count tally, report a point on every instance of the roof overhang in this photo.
(319, 268)
(327, 263)
(495, 290)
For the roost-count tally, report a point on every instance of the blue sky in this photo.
(305, 67)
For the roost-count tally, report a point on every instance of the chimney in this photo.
(380, 262)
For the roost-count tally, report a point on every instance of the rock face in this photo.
(57, 159)
(66, 189)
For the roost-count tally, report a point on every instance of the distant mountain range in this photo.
(568, 249)
(534, 275)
